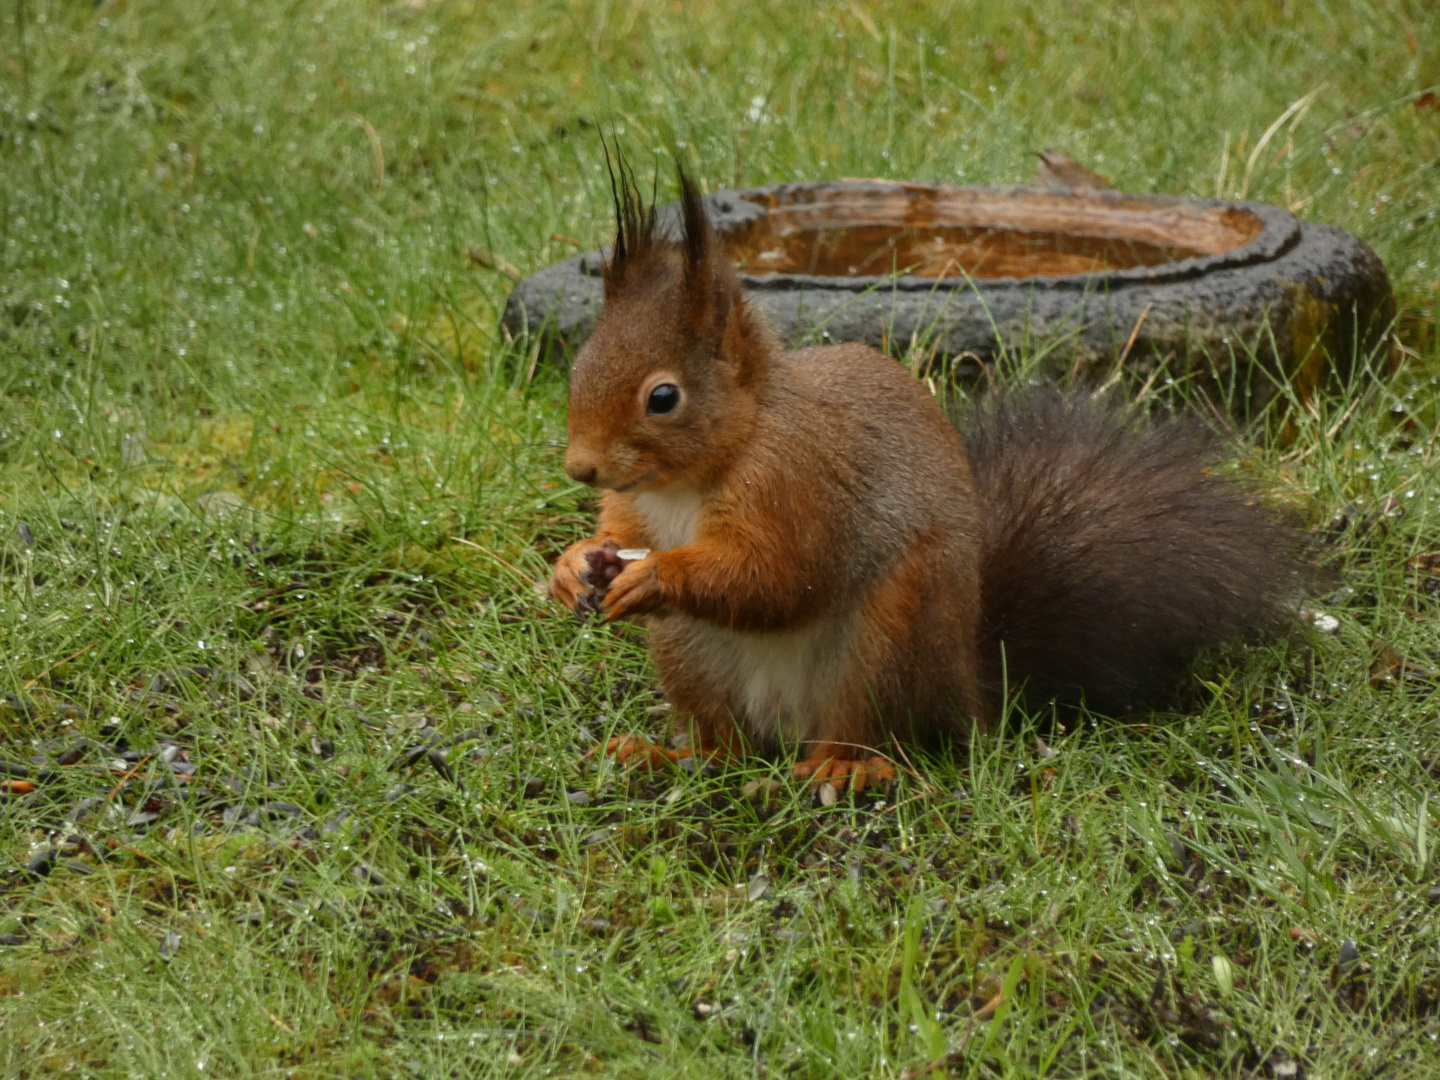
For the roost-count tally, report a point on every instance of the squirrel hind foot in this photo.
(838, 772)
(638, 750)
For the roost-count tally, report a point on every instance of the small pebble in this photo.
(41, 863)
(442, 766)
(73, 754)
(759, 885)
(366, 875)
(1349, 955)
(82, 809)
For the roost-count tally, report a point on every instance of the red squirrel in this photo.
(834, 564)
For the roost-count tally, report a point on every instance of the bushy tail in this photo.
(1112, 554)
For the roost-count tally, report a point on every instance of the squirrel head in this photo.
(666, 388)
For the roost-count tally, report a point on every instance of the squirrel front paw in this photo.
(638, 590)
(583, 572)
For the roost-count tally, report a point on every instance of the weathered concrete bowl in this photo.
(968, 270)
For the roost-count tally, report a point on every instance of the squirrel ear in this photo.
(709, 278)
(718, 313)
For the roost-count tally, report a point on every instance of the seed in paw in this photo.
(602, 566)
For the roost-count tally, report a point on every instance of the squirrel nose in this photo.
(581, 471)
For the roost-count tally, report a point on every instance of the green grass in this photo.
(254, 398)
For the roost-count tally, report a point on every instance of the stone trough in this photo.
(962, 272)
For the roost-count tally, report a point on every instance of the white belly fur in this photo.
(778, 684)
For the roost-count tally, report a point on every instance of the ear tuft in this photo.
(634, 220)
(709, 278)
(695, 235)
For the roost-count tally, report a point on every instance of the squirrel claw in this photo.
(587, 604)
(636, 591)
(837, 772)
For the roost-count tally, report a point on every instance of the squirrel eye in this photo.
(663, 399)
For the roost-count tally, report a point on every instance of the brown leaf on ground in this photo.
(1429, 563)
(1390, 667)
(1057, 170)
(490, 261)
(1387, 666)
